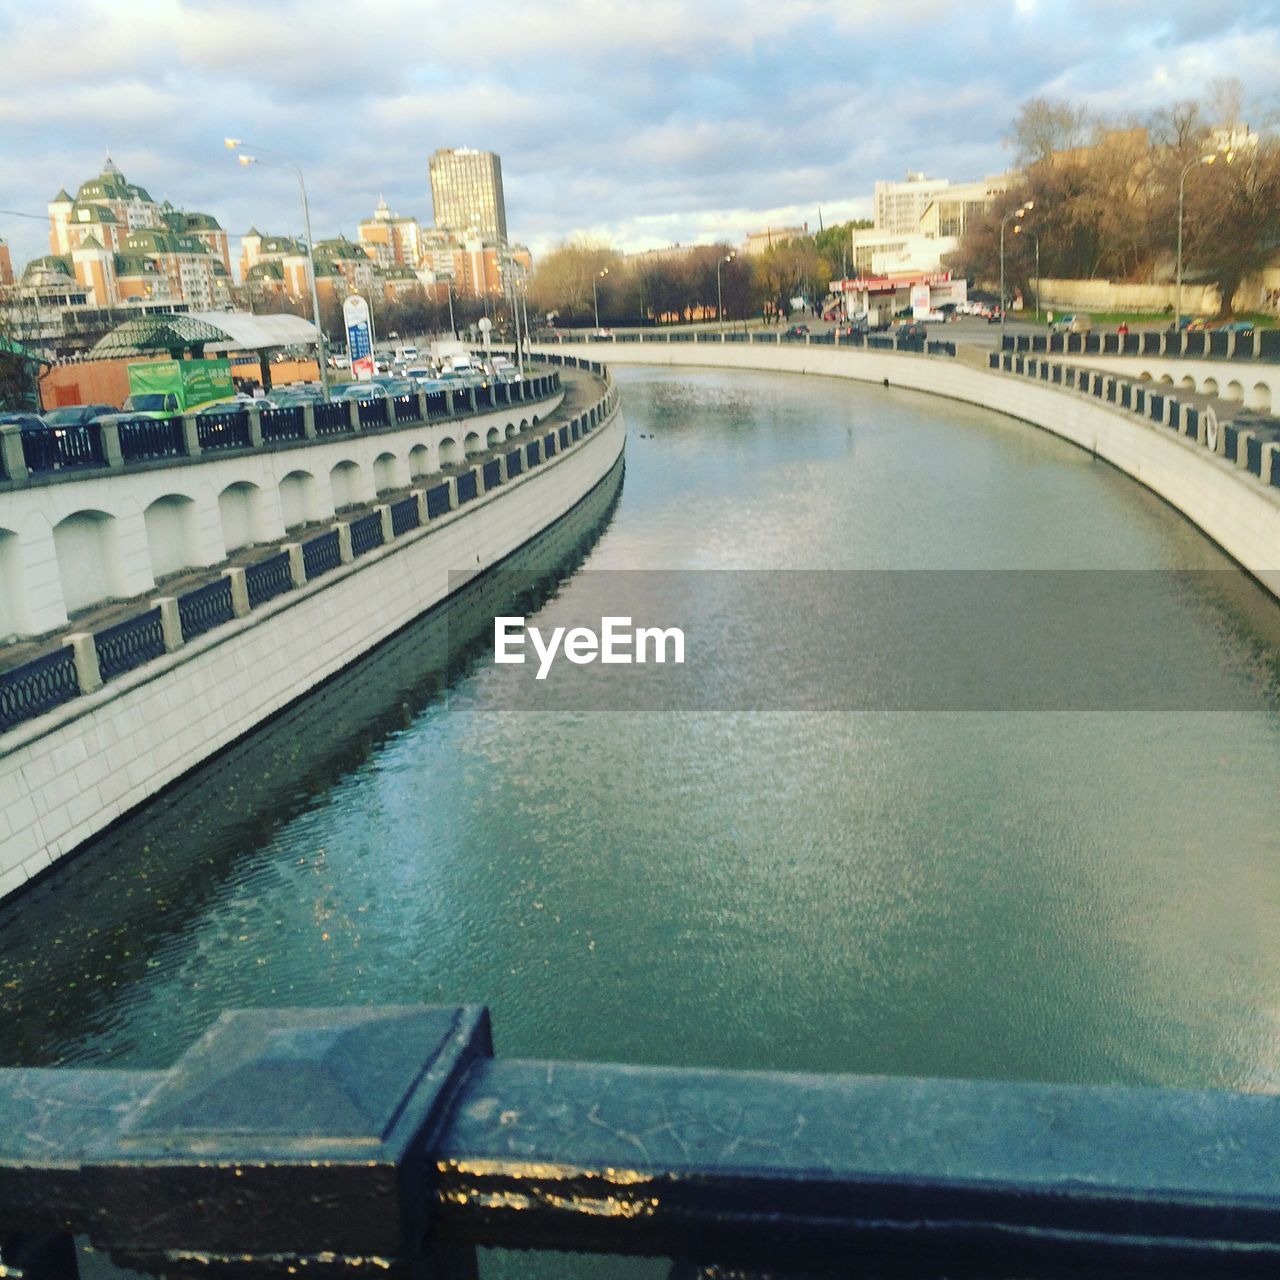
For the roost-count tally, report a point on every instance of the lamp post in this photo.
(322, 359)
(1020, 212)
(729, 257)
(595, 297)
(1182, 184)
(1035, 235)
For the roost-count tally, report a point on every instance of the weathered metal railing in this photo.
(60, 448)
(204, 608)
(37, 686)
(366, 533)
(268, 578)
(321, 554)
(355, 1141)
(142, 439)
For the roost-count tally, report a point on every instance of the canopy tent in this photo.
(246, 332)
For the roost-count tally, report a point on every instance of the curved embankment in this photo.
(69, 774)
(1229, 504)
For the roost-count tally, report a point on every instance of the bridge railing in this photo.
(119, 442)
(337, 1141)
(1261, 345)
(1249, 440)
(82, 663)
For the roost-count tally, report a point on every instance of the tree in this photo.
(1045, 125)
(1232, 219)
(563, 280)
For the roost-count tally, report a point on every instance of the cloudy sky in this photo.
(639, 122)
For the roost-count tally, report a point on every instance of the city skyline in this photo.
(782, 111)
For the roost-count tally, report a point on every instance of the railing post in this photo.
(170, 622)
(448, 403)
(422, 405)
(254, 412)
(345, 554)
(451, 483)
(15, 462)
(353, 414)
(309, 422)
(85, 655)
(478, 470)
(111, 444)
(191, 435)
(239, 591)
(1242, 447)
(384, 514)
(420, 496)
(1270, 469)
(297, 565)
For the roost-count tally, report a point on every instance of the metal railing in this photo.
(393, 1138)
(288, 422)
(129, 644)
(1260, 346)
(142, 439)
(205, 607)
(52, 679)
(225, 430)
(59, 448)
(37, 686)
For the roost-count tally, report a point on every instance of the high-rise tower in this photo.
(466, 191)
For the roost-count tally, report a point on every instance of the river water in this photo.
(1063, 893)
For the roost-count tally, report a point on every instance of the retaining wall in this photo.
(69, 774)
(1232, 506)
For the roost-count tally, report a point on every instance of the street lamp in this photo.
(322, 360)
(1020, 212)
(729, 257)
(1182, 183)
(595, 297)
(1035, 235)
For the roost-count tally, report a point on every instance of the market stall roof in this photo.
(205, 332)
(247, 332)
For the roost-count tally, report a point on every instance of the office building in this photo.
(466, 193)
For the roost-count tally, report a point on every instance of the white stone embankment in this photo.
(69, 774)
(1231, 506)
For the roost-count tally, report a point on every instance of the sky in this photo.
(636, 123)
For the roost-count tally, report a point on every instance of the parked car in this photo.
(76, 415)
(907, 332)
(1078, 323)
(797, 331)
(25, 420)
(1232, 326)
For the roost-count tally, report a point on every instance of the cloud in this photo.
(673, 120)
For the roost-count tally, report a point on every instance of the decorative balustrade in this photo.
(143, 439)
(227, 429)
(332, 419)
(49, 681)
(288, 422)
(37, 686)
(405, 516)
(366, 534)
(321, 554)
(205, 607)
(61, 448)
(372, 413)
(129, 644)
(266, 579)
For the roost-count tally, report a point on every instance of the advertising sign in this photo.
(355, 315)
(919, 301)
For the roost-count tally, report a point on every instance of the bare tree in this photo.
(1045, 125)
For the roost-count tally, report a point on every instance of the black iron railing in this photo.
(205, 607)
(37, 686)
(61, 448)
(129, 644)
(284, 423)
(321, 554)
(267, 579)
(467, 488)
(366, 534)
(142, 439)
(492, 471)
(405, 516)
(331, 419)
(406, 408)
(372, 413)
(223, 430)
(292, 1140)
(437, 500)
